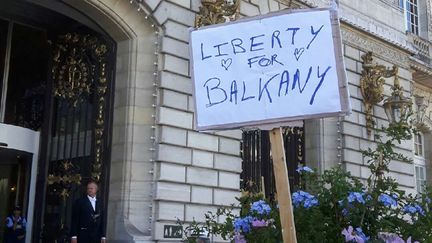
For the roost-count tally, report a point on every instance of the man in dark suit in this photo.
(88, 224)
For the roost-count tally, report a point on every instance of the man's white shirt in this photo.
(92, 201)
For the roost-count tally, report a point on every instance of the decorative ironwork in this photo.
(217, 11)
(257, 171)
(79, 74)
(372, 86)
(65, 175)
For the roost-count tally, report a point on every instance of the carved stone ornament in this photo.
(217, 11)
(371, 86)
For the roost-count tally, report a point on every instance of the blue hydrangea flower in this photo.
(303, 198)
(345, 212)
(243, 224)
(301, 169)
(414, 208)
(260, 207)
(356, 196)
(428, 200)
(387, 200)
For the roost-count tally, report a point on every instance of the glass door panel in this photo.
(14, 182)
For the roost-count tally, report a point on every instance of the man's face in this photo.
(92, 189)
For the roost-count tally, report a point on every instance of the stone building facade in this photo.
(162, 169)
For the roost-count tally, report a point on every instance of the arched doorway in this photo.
(57, 77)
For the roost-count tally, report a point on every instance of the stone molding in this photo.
(364, 23)
(366, 43)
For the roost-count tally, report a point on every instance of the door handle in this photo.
(3, 144)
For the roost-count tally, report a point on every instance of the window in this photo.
(419, 162)
(418, 145)
(411, 14)
(420, 175)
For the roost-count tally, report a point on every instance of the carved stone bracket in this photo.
(371, 86)
(217, 11)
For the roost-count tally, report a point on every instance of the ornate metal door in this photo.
(76, 131)
(257, 167)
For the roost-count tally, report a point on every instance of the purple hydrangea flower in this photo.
(393, 238)
(428, 200)
(387, 200)
(356, 235)
(239, 238)
(305, 199)
(260, 207)
(259, 223)
(301, 169)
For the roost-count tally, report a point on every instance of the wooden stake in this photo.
(282, 186)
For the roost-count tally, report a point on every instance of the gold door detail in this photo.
(79, 74)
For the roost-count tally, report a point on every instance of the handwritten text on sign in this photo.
(263, 70)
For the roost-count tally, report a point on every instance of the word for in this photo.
(238, 91)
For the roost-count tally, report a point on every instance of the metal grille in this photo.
(257, 169)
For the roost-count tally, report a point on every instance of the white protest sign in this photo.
(273, 68)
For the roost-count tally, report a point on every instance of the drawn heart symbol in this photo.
(226, 63)
(298, 52)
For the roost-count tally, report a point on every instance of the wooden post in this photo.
(282, 186)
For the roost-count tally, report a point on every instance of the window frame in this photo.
(410, 25)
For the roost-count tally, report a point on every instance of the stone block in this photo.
(229, 180)
(175, 47)
(176, 65)
(172, 135)
(354, 169)
(167, 10)
(229, 146)
(236, 134)
(352, 52)
(173, 191)
(352, 129)
(170, 211)
(200, 176)
(228, 163)
(354, 79)
(177, 31)
(172, 172)
(202, 195)
(202, 141)
(225, 197)
(274, 5)
(182, 3)
(202, 158)
(176, 118)
(352, 142)
(248, 9)
(350, 64)
(174, 99)
(197, 212)
(176, 82)
(353, 156)
(174, 154)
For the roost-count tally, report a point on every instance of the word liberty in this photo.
(278, 85)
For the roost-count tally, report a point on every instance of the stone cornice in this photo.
(368, 43)
(371, 26)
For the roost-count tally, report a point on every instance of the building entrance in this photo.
(56, 79)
